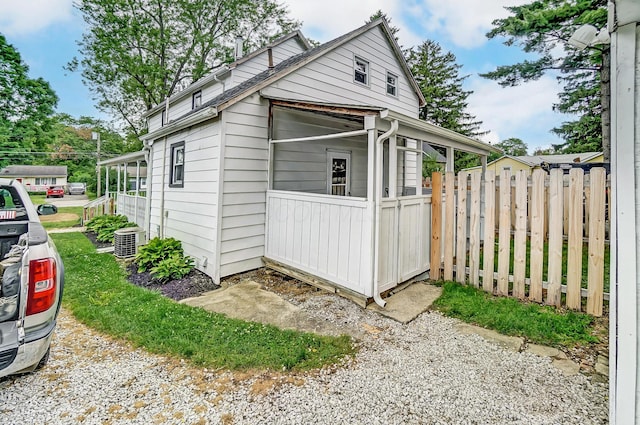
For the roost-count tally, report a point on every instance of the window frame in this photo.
(395, 85)
(174, 149)
(196, 95)
(338, 154)
(367, 72)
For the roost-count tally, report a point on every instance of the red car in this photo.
(55, 192)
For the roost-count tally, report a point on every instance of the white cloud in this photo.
(464, 22)
(21, 17)
(524, 111)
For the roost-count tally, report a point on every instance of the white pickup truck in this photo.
(32, 282)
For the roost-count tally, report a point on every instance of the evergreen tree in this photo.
(543, 27)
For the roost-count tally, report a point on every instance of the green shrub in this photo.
(174, 267)
(105, 226)
(164, 258)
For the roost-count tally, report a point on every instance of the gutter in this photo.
(376, 244)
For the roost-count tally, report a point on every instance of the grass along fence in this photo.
(509, 238)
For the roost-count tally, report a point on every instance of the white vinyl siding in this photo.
(330, 77)
(189, 211)
(245, 184)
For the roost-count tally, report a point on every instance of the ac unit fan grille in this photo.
(125, 242)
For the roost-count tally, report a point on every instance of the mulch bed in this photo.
(192, 285)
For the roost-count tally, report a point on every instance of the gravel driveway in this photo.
(421, 373)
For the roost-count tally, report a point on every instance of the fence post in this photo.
(537, 235)
(449, 225)
(504, 242)
(596, 241)
(436, 224)
(574, 257)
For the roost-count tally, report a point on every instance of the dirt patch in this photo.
(93, 237)
(53, 218)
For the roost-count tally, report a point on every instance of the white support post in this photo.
(118, 181)
(126, 177)
(393, 167)
(450, 158)
(137, 177)
(483, 163)
(106, 182)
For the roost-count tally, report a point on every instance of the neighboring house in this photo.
(531, 162)
(36, 178)
(308, 158)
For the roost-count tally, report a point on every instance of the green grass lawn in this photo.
(538, 324)
(98, 294)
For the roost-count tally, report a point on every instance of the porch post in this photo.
(393, 167)
(450, 154)
(137, 178)
(106, 182)
(370, 126)
(118, 183)
(483, 162)
(126, 176)
(419, 159)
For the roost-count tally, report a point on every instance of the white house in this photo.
(308, 158)
(36, 178)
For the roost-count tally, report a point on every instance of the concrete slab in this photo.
(407, 304)
(248, 301)
(544, 351)
(509, 342)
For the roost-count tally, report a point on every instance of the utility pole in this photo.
(96, 136)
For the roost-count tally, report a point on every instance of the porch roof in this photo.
(124, 159)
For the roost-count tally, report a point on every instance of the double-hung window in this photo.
(196, 100)
(177, 165)
(392, 84)
(361, 71)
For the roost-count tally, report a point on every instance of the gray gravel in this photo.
(421, 373)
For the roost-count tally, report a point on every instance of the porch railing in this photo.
(327, 236)
(99, 206)
(133, 207)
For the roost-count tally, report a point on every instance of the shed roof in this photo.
(34, 171)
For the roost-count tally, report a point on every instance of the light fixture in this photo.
(587, 36)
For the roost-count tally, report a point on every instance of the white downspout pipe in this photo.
(147, 210)
(378, 197)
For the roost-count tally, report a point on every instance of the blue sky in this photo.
(45, 33)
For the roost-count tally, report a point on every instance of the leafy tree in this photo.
(511, 146)
(138, 52)
(543, 27)
(26, 105)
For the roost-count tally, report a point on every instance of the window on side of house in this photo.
(338, 173)
(177, 165)
(196, 99)
(392, 84)
(361, 71)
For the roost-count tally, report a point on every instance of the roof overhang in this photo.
(172, 127)
(415, 128)
(124, 159)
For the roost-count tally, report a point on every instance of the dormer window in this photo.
(196, 99)
(392, 84)
(361, 71)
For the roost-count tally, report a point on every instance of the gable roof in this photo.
(289, 65)
(536, 160)
(226, 68)
(34, 171)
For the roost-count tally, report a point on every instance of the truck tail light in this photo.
(42, 285)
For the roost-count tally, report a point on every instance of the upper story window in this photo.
(392, 84)
(196, 99)
(177, 165)
(361, 71)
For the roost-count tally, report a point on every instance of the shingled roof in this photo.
(34, 171)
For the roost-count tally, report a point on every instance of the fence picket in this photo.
(504, 239)
(436, 225)
(461, 229)
(449, 224)
(488, 246)
(574, 257)
(537, 235)
(474, 230)
(556, 210)
(596, 226)
(520, 237)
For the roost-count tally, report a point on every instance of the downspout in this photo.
(378, 197)
(164, 171)
(147, 208)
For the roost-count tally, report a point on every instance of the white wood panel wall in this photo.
(327, 236)
(244, 186)
(330, 77)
